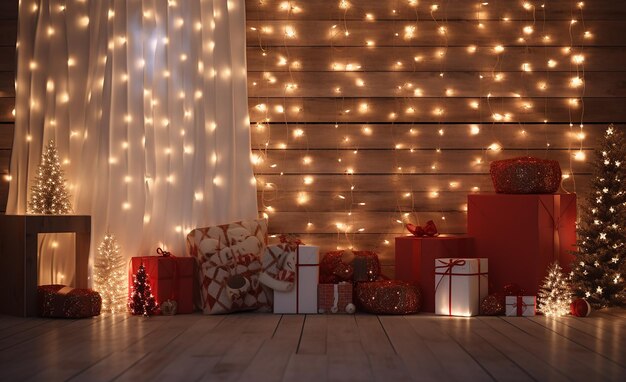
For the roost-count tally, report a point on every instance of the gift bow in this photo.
(290, 240)
(163, 253)
(430, 229)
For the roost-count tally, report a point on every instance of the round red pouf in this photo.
(525, 175)
(388, 297)
(580, 308)
(66, 302)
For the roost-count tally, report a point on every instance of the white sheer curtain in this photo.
(147, 102)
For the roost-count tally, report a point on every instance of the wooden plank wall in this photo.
(392, 121)
(8, 37)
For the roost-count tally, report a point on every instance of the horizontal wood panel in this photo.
(273, 183)
(6, 109)
(8, 9)
(370, 222)
(6, 136)
(8, 32)
(426, 110)
(459, 33)
(439, 199)
(431, 84)
(456, 58)
(450, 9)
(423, 136)
(7, 84)
(7, 59)
(389, 161)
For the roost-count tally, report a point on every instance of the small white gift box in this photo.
(302, 298)
(520, 305)
(460, 285)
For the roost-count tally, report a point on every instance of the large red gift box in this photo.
(415, 260)
(521, 235)
(171, 278)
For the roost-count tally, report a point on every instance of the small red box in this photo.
(171, 278)
(334, 298)
(415, 260)
(521, 235)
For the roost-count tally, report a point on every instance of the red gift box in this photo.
(334, 298)
(521, 235)
(415, 259)
(171, 278)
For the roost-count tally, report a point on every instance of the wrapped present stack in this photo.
(525, 229)
(519, 230)
(171, 279)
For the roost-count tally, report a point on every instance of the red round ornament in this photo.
(492, 305)
(580, 308)
(525, 175)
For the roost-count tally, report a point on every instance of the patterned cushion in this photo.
(229, 264)
(67, 302)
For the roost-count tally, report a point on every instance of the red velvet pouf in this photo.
(67, 302)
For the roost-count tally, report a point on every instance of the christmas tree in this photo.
(554, 294)
(110, 275)
(600, 259)
(141, 299)
(48, 195)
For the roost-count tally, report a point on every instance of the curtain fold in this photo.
(147, 101)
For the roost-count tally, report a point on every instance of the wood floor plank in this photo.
(244, 345)
(306, 368)
(186, 368)
(445, 348)
(495, 362)
(571, 358)
(609, 349)
(347, 360)
(419, 361)
(527, 360)
(271, 360)
(109, 367)
(383, 359)
(313, 339)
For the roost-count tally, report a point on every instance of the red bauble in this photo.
(336, 267)
(525, 175)
(580, 308)
(493, 305)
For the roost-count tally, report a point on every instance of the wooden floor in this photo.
(265, 347)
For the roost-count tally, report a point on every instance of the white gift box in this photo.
(302, 299)
(520, 305)
(460, 285)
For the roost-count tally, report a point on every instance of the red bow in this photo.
(291, 240)
(163, 253)
(429, 229)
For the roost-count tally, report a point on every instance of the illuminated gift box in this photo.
(520, 305)
(521, 235)
(415, 257)
(302, 298)
(171, 278)
(460, 286)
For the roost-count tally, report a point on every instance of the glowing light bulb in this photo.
(552, 63)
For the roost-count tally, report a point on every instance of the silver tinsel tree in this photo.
(555, 294)
(48, 194)
(109, 275)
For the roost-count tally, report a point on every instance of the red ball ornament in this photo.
(492, 305)
(580, 308)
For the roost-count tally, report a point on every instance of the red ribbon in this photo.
(519, 305)
(448, 272)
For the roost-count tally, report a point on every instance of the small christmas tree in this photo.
(601, 257)
(141, 299)
(48, 195)
(554, 294)
(110, 275)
